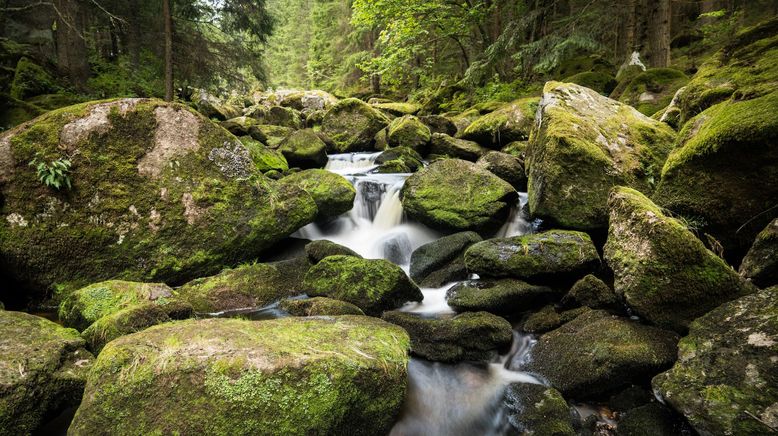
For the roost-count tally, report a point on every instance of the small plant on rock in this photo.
(55, 174)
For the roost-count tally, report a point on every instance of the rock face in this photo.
(559, 255)
(761, 263)
(373, 285)
(333, 194)
(343, 375)
(319, 306)
(445, 145)
(504, 296)
(662, 270)
(733, 146)
(591, 292)
(304, 149)
(538, 409)
(597, 353)
(443, 260)
(158, 193)
(352, 124)
(506, 167)
(408, 131)
(43, 368)
(725, 380)
(456, 195)
(584, 144)
(503, 126)
(475, 336)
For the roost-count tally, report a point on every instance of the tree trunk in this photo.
(660, 34)
(168, 17)
(71, 48)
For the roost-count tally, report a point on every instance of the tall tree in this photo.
(168, 18)
(72, 59)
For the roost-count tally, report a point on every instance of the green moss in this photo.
(14, 112)
(505, 125)
(445, 145)
(352, 124)
(398, 109)
(318, 250)
(549, 318)
(602, 82)
(333, 193)
(30, 80)
(761, 263)
(505, 296)
(274, 134)
(265, 159)
(408, 131)
(538, 409)
(304, 149)
(319, 306)
(591, 292)
(653, 89)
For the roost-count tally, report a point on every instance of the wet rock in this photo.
(472, 336)
(245, 126)
(373, 285)
(439, 124)
(408, 131)
(399, 158)
(555, 256)
(591, 292)
(344, 375)
(761, 263)
(43, 368)
(158, 193)
(456, 195)
(583, 145)
(596, 353)
(506, 167)
(653, 89)
(538, 410)
(549, 318)
(319, 306)
(334, 194)
(652, 419)
(442, 260)
(445, 145)
(265, 159)
(318, 250)
(352, 124)
(396, 248)
(503, 126)
(664, 273)
(503, 297)
(304, 149)
(725, 380)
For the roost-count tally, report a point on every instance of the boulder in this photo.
(319, 306)
(318, 250)
(276, 116)
(761, 262)
(157, 193)
(404, 157)
(14, 111)
(373, 285)
(213, 107)
(274, 134)
(503, 296)
(442, 261)
(505, 125)
(664, 273)
(583, 145)
(304, 149)
(334, 194)
(602, 82)
(244, 126)
(653, 89)
(439, 124)
(734, 147)
(652, 419)
(549, 318)
(445, 145)
(596, 353)
(344, 375)
(725, 380)
(456, 195)
(538, 410)
(506, 167)
(30, 80)
(472, 336)
(43, 368)
(408, 131)
(352, 124)
(591, 292)
(397, 109)
(265, 159)
(556, 255)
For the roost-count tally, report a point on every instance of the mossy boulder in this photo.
(591, 292)
(555, 255)
(408, 131)
(445, 145)
(653, 89)
(14, 111)
(333, 193)
(406, 157)
(497, 129)
(602, 82)
(597, 353)
(725, 380)
(506, 167)
(265, 159)
(373, 285)
(397, 109)
(456, 195)
(274, 134)
(538, 410)
(443, 260)
(318, 250)
(652, 419)
(276, 116)
(245, 126)
(550, 318)
(213, 107)
(664, 273)
(761, 263)
(352, 124)
(472, 336)
(319, 306)
(503, 296)
(439, 124)
(158, 193)
(583, 145)
(733, 146)
(43, 369)
(304, 149)
(30, 79)
(344, 375)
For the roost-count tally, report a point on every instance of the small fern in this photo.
(55, 174)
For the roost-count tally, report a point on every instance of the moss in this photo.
(274, 134)
(304, 149)
(30, 80)
(445, 145)
(398, 109)
(245, 127)
(505, 125)
(408, 131)
(538, 409)
(506, 167)
(333, 194)
(437, 254)
(372, 285)
(265, 159)
(404, 157)
(50, 102)
(318, 250)
(352, 124)
(549, 318)
(653, 419)
(602, 82)
(319, 306)
(761, 263)
(14, 112)
(591, 292)
(653, 89)
(293, 375)
(503, 297)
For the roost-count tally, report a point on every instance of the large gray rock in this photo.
(442, 260)
(506, 167)
(537, 409)
(761, 262)
(352, 124)
(503, 296)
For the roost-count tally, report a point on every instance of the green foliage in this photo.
(119, 78)
(55, 174)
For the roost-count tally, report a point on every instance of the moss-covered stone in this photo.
(43, 368)
(398, 109)
(506, 167)
(213, 107)
(265, 159)
(30, 80)
(445, 145)
(653, 89)
(373, 285)
(732, 146)
(408, 131)
(318, 250)
(439, 124)
(505, 125)
(352, 124)
(583, 145)
(245, 126)
(456, 195)
(549, 318)
(652, 419)
(344, 375)
(591, 292)
(761, 263)
(725, 380)
(14, 111)
(276, 116)
(517, 149)
(319, 306)
(405, 157)
(596, 353)
(475, 336)
(442, 260)
(158, 194)
(333, 193)
(662, 270)
(503, 297)
(602, 82)
(538, 410)
(274, 134)
(556, 255)
(304, 149)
